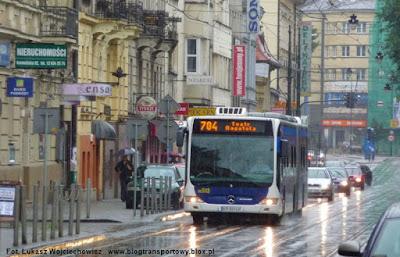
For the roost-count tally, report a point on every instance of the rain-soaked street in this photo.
(317, 232)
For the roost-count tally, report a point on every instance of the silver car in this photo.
(320, 183)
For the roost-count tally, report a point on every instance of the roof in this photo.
(263, 55)
(394, 210)
(337, 5)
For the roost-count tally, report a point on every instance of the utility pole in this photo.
(289, 100)
(298, 110)
(322, 77)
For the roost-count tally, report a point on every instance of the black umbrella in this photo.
(125, 151)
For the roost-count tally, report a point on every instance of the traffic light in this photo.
(350, 99)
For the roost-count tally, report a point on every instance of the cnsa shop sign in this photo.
(253, 9)
(95, 89)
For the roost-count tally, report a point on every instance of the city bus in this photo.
(221, 152)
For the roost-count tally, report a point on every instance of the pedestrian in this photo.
(125, 169)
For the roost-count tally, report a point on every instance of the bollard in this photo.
(71, 210)
(169, 192)
(78, 209)
(153, 194)
(88, 193)
(35, 212)
(142, 199)
(148, 196)
(161, 193)
(23, 213)
(54, 211)
(166, 194)
(44, 214)
(60, 211)
(16, 214)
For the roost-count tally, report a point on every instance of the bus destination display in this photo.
(229, 126)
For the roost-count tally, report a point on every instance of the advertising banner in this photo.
(239, 70)
(20, 87)
(305, 57)
(93, 89)
(345, 123)
(40, 56)
(4, 53)
(253, 9)
(183, 109)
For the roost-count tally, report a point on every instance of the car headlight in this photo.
(325, 186)
(193, 199)
(344, 183)
(358, 179)
(269, 201)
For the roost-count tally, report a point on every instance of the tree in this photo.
(390, 16)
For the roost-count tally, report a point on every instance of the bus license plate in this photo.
(231, 209)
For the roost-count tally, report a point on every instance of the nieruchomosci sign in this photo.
(40, 56)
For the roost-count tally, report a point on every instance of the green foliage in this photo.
(314, 43)
(380, 132)
(390, 16)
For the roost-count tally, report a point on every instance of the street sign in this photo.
(168, 106)
(393, 124)
(142, 129)
(391, 138)
(371, 148)
(147, 107)
(164, 131)
(391, 132)
(39, 120)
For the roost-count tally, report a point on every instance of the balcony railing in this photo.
(60, 22)
(130, 11)
(154, 23)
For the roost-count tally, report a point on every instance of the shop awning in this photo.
(103, 130)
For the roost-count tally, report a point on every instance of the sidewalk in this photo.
(104, 215)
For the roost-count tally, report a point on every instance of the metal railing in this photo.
(59, 21)
(130, 11)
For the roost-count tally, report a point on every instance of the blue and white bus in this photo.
(221, 151)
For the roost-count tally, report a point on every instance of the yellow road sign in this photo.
(201, 112)
(393, 123)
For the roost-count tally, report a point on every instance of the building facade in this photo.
(39, 42)
(341, 68)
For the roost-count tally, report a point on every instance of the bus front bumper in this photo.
(233, 208)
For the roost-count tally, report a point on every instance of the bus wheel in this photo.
(197, 218)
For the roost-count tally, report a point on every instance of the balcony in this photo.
(130, 11)
(154, 23)
(59, 22)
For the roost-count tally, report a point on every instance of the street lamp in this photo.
(119, 74)
(379, 57)
(353, 22)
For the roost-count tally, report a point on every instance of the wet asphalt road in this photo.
(317, 232)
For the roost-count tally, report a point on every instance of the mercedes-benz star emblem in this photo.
(231, 199)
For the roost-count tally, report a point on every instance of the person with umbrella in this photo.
(125, 169)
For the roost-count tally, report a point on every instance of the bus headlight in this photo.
(358, 179)
(269, 201)
(344, 183)
(193, 199)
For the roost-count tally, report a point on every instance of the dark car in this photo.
(340, 179)
(357, 179)
(384, 240)
(334, 164)
(367, 174)
(157, 171)
(316, 159)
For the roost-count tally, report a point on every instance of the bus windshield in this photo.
(232, 160)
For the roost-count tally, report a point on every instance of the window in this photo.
(345, 51)
(334, 51)
(327, 28)
(346, 74)
(361, 51)
(326, 51)
(192, 55)
(333, 72)
(334, 28)
(362, 27)
(361, 74)
(345, 28)
(326, 74)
